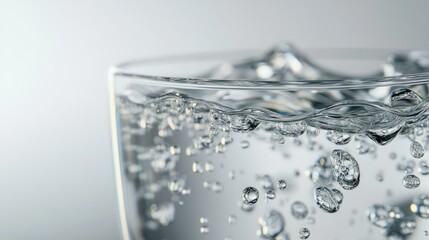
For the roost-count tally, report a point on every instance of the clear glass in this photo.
(190, 136)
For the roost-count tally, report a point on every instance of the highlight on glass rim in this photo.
(281, 144)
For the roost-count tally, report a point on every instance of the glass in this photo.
(250, 145)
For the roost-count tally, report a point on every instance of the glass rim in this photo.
(123, 69)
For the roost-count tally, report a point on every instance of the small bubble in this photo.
(244, 144)
(338, 138)
(232, 219)
(209, 167)
(204, 220)
(379, 177)
(175, 150)
(270, 194)
(411, 181)
(271, 224)
(225, 140)
(282, 184)
(392, 155)
(204, 230)
(196, 167)
(299, 210)
(216, 187)
(311, 220)
(417, 150)
(231, 175)
(176, 185)
(426, 233)
(304, 233)
(250, 195)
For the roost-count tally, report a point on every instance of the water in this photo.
(232, 164)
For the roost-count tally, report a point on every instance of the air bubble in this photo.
(250, 195)
(411, 181)
(271, 224)
(304, 233)
(282, 184)
(417, 150)
(299, 210)
(420, 206)
(339, 138)
(346, 169)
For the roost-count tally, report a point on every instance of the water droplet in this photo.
(383, 136)
(326, 199)
(346, 169)
(339, 138)
(271, 224)
(299, 210)
(416, 149)
(304, 233)
(426, 233)
(407, 226)
(420, 206)
(250, 195)
(282, 184)
(411, 181)
(196, 167)
(244, 144)
(232, 219)
(270, 194)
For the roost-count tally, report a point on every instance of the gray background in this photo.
(56, 171)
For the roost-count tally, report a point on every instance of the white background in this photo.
(56, 171)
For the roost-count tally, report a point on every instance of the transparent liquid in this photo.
(209, 167)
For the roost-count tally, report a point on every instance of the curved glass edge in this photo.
(123, 69)
(125, 230)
